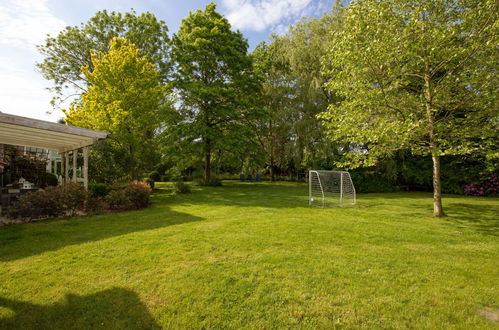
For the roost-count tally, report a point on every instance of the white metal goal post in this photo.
(328, 188)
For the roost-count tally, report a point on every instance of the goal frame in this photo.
(343, 176)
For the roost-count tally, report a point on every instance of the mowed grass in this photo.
(256, 256)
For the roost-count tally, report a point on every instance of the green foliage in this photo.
(51, 179)
(65, 54)
(127, 99)
(154, 175)
(368, 180)
(38, 204)
(293, 93)
(133, 196)
(180, 187)
(212, 182)
(416, 75)
(138, 193)
(100, 190)
(150, 182)
(421, 85)
(67, 200)
(118, 200)
(216, 87)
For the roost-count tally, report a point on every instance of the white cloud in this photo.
(258, 15)
(25, 23)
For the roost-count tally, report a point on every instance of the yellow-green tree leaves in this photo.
(126, 98)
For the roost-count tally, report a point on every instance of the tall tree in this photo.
(415, 74)
(293, 94)
(71, 49)
(304, 46)
(215, 82)
(274, 128)
(125, 98)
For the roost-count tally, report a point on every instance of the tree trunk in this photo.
(438, 211)
(207, 161)
(134, 172)
(272, 170)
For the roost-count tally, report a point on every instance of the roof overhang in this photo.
(17, 130)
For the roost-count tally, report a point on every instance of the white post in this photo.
(341, 188)
(85, 167)
(309, 188)
(75, 158)
(66, 167)
(49, 163)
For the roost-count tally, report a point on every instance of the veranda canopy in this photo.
(22, 131)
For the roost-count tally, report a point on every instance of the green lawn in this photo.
(256, 256)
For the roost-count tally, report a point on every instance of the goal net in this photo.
(330, 188)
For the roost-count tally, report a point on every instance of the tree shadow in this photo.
(474, 216)
(267, 195)
(24, 240)
(115, 308)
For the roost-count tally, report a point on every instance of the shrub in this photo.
(51, 180)
(212, 182)
(154, 175)
(150, 182)
(366, 181)
(95, 205)
(74, 197)
(181, 187)
(138, 193)
(98, 189)
(51, 202)
(117, 199)
(487, 187)
(38, 204)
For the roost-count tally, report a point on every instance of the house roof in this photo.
(23, 131)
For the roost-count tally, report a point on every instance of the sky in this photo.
(26, 23)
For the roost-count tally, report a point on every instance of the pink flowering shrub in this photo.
(488, 187)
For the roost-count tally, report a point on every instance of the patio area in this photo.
(42, 142)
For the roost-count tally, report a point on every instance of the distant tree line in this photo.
(374, 87)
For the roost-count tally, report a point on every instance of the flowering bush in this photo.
(488, 187)
(118, 200)
(138, 192)
(134, 196)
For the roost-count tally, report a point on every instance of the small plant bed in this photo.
(256, 256)
(72, 199)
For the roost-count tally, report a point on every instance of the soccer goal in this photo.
(329, 188)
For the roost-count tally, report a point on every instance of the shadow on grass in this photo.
(474, 216)
(115, 308)
(24, 240)
(269, 195)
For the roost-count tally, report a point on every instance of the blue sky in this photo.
(25, 23)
